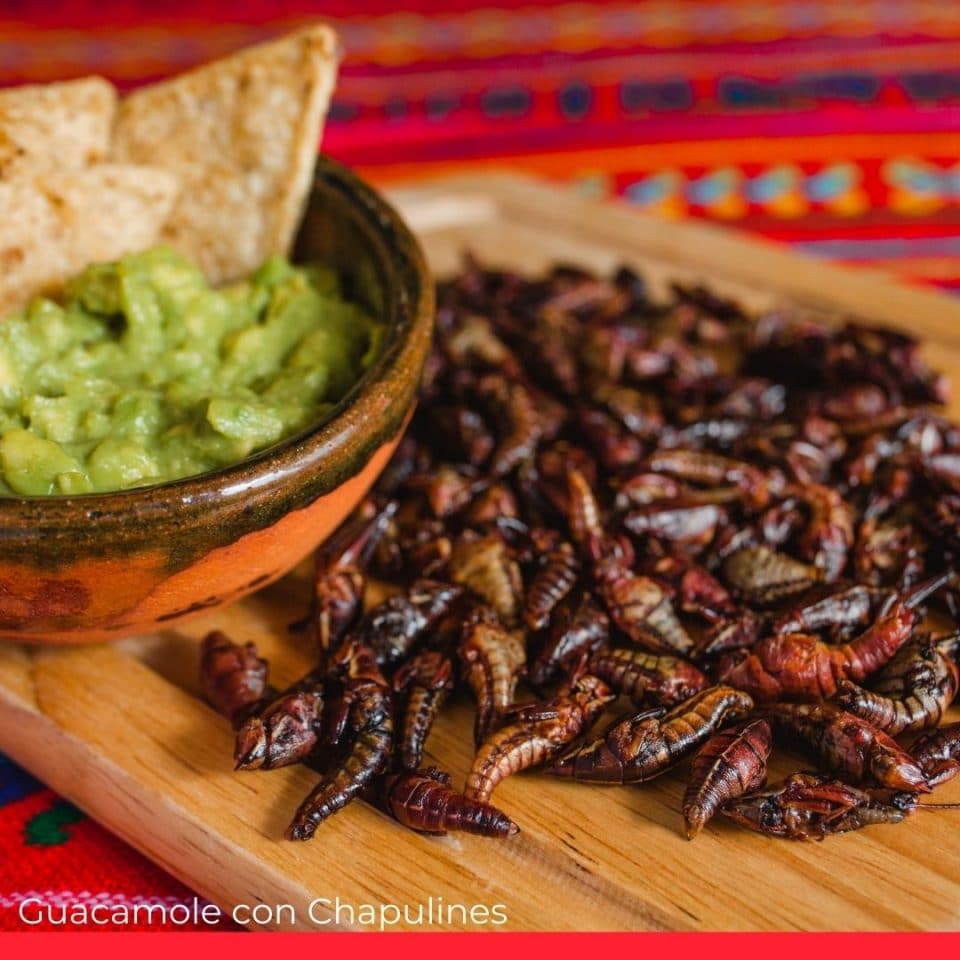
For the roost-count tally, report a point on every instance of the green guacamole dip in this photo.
(145, 374)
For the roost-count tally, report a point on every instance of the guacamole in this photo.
(145, 374)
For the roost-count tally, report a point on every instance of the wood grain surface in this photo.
(122, 732)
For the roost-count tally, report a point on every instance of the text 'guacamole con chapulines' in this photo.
(146, 374)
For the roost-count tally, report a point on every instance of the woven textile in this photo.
(832, 125)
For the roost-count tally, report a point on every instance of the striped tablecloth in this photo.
(831, 125)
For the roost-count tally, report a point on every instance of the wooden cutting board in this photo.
(122, 732)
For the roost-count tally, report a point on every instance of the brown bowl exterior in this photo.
(104, 566)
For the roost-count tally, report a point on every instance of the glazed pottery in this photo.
(89, 568)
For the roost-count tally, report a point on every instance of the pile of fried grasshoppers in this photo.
(743, 525)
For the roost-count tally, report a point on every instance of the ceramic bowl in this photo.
(103, 566)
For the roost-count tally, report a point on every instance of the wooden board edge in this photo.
(33, 735)
(714, 249)
(184, 810)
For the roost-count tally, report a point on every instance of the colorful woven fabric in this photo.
(52, 856)
(832, 125)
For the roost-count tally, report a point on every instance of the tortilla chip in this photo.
(241, 134)
(61, 126)
(51, 228)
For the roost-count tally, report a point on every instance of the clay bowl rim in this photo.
(410, 315)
